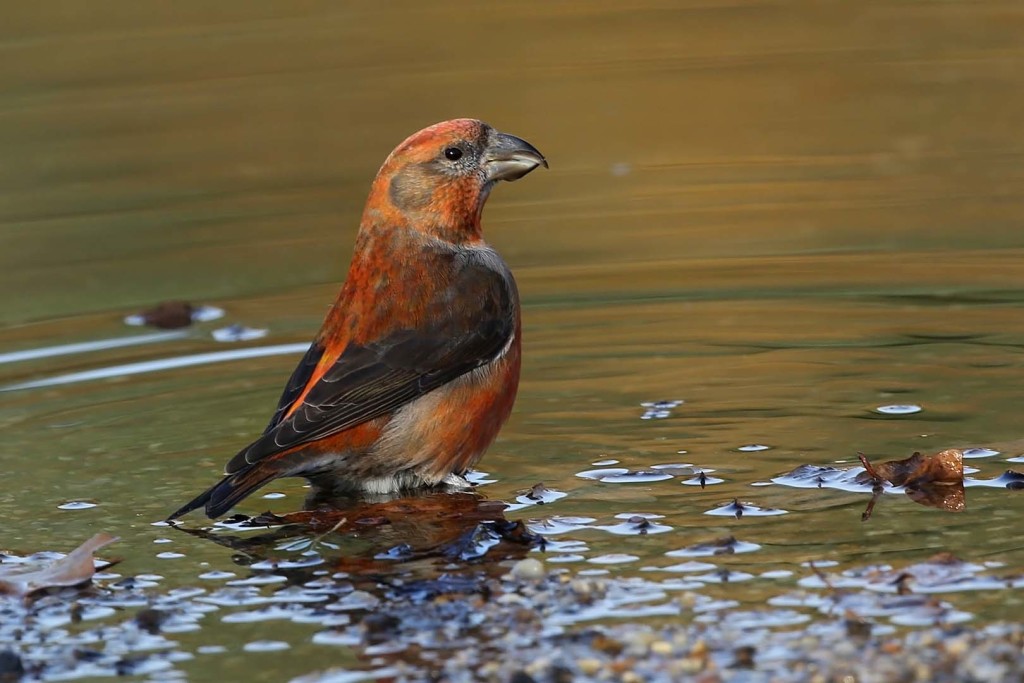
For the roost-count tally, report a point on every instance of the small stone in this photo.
(609, 646)
(660, 647)
(687, 600)
(744, 657)
(858, 628)
(922, 672)
(528, 569)
(639, 642)
(589, 666)
(11, 668)
(957, 647)
(149, 620)
(691, 665)
(380, 627)
(561, 674)
(538, 667)
(632, 677)
(510, 599)
(621, 667)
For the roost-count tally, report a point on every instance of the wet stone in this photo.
(11, 666)
(528, 569)
(150, 620)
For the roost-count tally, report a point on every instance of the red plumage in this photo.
(416, 366)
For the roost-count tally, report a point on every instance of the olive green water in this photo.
(786, 216)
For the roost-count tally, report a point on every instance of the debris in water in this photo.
(238, 333)
(737, 509)
(934, 480)
(77, 567)
(945, 467)
(170, 315)
(658, 410)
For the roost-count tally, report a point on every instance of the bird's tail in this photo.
(230, 490)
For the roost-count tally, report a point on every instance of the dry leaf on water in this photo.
(945, 467)
(932, 480)
(74, 568)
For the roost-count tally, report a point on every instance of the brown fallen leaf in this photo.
(945, 467)
(71, 570)
(932, 480)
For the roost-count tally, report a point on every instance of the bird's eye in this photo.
(453, 153)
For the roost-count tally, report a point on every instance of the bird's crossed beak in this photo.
(510, 158)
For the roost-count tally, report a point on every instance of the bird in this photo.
(416, 366)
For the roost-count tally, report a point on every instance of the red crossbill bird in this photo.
(416, 366)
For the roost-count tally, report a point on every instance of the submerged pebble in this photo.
(548, 626)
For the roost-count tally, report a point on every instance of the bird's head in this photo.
(438, 179)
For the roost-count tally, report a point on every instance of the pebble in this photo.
(589, 666)
(691, 665)
(534, 627)
(957, 647)
(528, 569)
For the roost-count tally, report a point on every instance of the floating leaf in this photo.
(73, 569)
(945, 467)
(932, 480)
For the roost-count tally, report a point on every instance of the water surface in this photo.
(785, 217)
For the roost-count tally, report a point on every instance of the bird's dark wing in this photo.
(371, 380)
(296, 383)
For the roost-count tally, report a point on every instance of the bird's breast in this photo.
(449, 429)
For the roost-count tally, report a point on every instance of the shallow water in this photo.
(787, 218)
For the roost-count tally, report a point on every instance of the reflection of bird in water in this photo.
(425, 531)
(417, 364)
